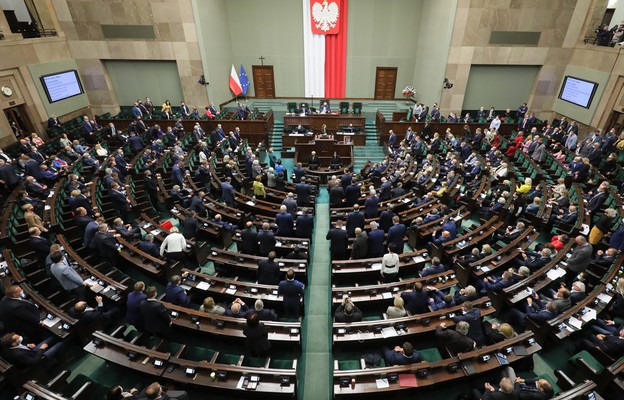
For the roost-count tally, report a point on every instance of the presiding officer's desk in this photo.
(289, 139)
(332, 120)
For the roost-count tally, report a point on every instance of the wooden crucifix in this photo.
(262, 58)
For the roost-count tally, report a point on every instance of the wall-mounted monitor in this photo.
(62, 85)
(578, 91)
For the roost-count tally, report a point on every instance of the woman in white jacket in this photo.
(174, 245)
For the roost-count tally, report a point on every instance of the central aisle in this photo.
(315, 373)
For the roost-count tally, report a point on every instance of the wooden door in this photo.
(264, 83)
(19, 120)
(385, 83)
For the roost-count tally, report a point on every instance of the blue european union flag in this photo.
(244, 80)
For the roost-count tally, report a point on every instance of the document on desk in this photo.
(49, 323)
(605, 298)
(250, 203)
(155, 232)
(575, 323)
(554, 274)
(418, 259)
(230, 291)
(376, 266)
(389, 331)
(382, 383)
(203, 285)
(590, 314)
(386, 295)
(408, 380)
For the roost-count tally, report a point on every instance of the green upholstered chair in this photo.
(292, 107)
(357, 108)
(344, 107)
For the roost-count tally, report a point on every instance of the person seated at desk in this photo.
(28, 355)
(210, 307)
(174, 294)
(237, 309)
(304, 109)
(149, 247)
(299, 129)
(348, 312)
(88, 315)
(127, 231)
(324, 130)
(264, 314)
(612, 344)
(456, 340)
(350, 129)
(325, 108)
(401, 355)
(314, 162)
(335, 162)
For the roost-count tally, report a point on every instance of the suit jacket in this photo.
(455, 341)
(249, 242)
(416, 302)
(23, 357)
(336, 194)
(473, 317)
(284, 222)
(355, 220)
(352, 194)
(385, 220)
(119, 200)
(580, 258)
(133, 311)
(41, 246)
(190, 226)
(20, 316)
(360, 246)
(303, 191)
(156, 318)
(174, 294)
(266, 242)
(340, 315)
(596, 202)
(371, 207)
(376, 238)
(339, 241)
(106, 245)
(268, 272)
(305, 226)
(396, 233)
(150, 248)
(612, 345)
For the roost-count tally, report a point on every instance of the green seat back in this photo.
(591, 360)
(431, 355)
(348, 365)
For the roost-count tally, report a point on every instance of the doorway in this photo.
(19, 120)
(264, 81)
(385, 83)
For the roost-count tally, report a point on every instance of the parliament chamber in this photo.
(175, 227)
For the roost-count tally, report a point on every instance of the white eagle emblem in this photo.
(325, 16)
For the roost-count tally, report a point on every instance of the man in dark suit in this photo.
(339, 241)
(39, 244)
(455, 340)
(264, 314)
(385, 218)
(534, 310)
(472, 315)
(197, 205)
(376, 238)
(305, 224)
(597, 200)
(346, 179)
(155, 316)
(303, 191)
(151, 188)
(355, 219)
(190, 225)
(416, 300)
(105, 244)
(360, 245)
(401, 355)
(336, 194)
(88, 315)
(292, 292)
(8, 177)
(396, 234)
(249, 240)
(135, 143)
(28, 355)
(268, 272)
(120, 201)
(352, 194)
(148, 246)
(174, 294)
(133, 303)
(537, 389)
(88, 130)
(536, 260)
(348, 312)
(371, 205)
(227, 191)
(53, 121)
(20, 315)
(610, 344)
(266, 240)
(284, 222)
(299, 172)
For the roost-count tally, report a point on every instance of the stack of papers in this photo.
(203, 285)
(418, 259)
(389, 331)
(575, 323)
(590, 314)
(382, 383)
(605, 298)
(49, 323)
(554, 274)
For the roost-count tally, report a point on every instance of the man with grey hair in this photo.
(148, 246)
(291, 204)
(264, 314)
(376, 239)
(579, 259)
(455, 340)
(532, 259)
